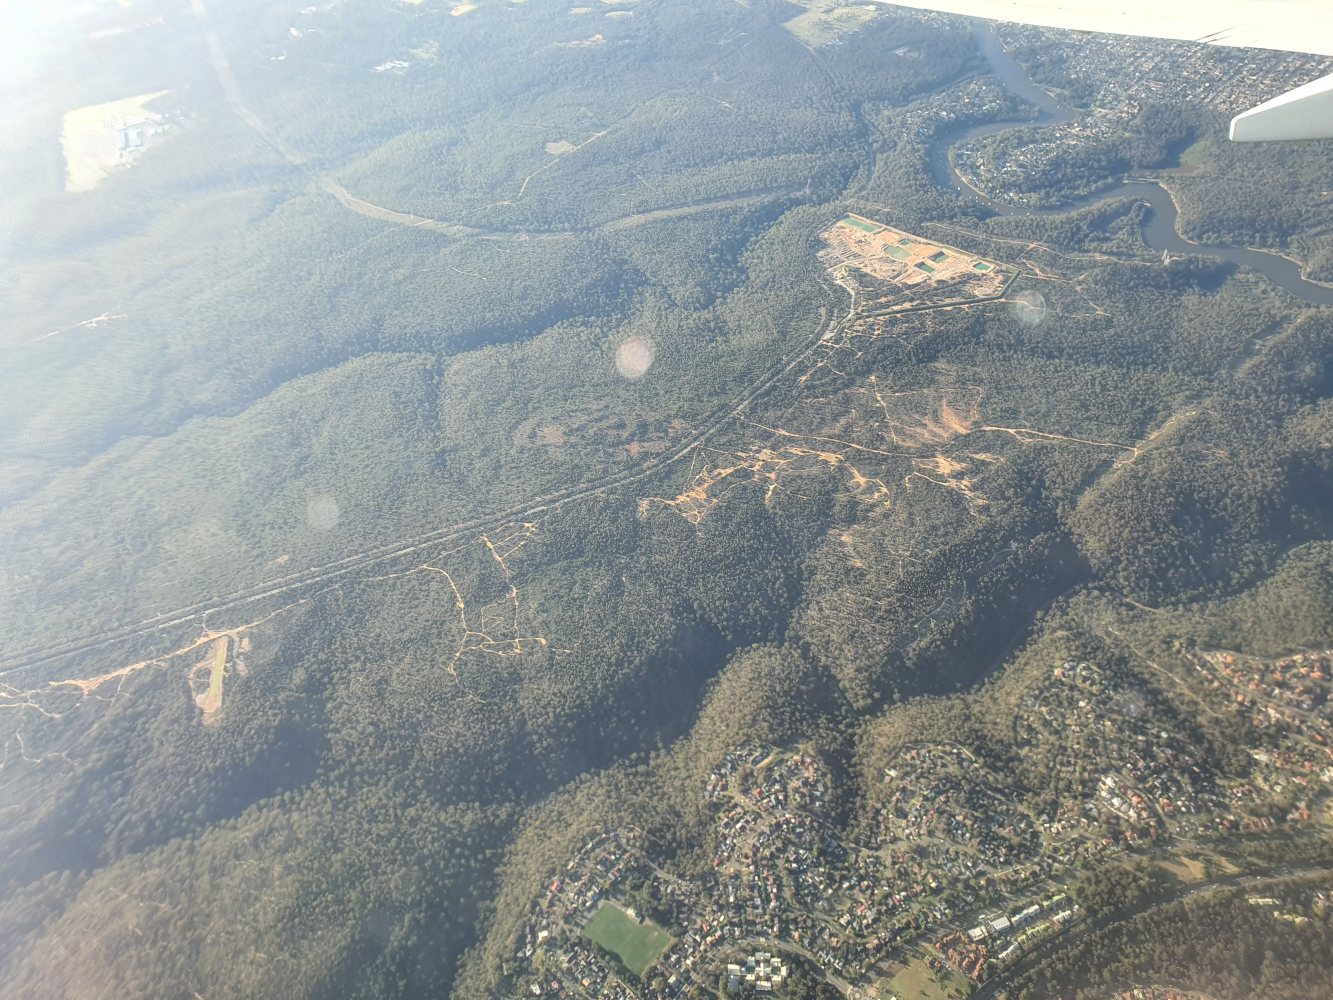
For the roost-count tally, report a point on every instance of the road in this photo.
(993, 987)
(330, 185)
(336, 571)
(333, 571)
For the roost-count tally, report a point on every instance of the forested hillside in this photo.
(441, 459)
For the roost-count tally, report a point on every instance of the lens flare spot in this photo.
(321, 513)
(1029, 308)
(635, 356)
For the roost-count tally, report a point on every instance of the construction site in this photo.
(888, 270)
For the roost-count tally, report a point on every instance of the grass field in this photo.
(917, 982)
(638, 945)
(1185, 870)
(212, 698)
(1197, 156)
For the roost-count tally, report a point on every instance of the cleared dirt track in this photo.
(350, 565)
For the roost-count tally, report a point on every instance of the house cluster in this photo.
(768, 780)
(551, 957)
(977, 99)
(1160, 71)
(999, 938)
(760, 972)
(782, 874)
(783, 880)
(780, 878)
(1009, 170)
(1157, 993)
(942, 796)
(1288, 695)
(1115, 83)
(1123, 773)
(576, 970)
(604, 861)
(948, 856)
(1287, 701)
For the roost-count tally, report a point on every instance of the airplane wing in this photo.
(1286, 25)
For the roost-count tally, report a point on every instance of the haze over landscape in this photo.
(652, 500)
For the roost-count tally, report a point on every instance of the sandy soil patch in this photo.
(211, 700)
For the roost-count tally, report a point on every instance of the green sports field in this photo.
(638, 945)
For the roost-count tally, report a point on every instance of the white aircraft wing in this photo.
(1286, 25)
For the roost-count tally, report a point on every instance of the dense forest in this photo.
(442, 445)
(1220, 947)
(1254, 194)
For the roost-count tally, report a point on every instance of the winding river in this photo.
(1159, 231)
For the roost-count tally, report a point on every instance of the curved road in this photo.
(341, 568)
(334, 571)
(329, 572)
(330, 185)
(1160, 231)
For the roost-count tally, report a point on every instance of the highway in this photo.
(327, 573)
(15, 663)
(341, 568)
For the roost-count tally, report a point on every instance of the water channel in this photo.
(1159, 231)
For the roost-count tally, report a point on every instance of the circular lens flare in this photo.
(635, 356)
(1029, 308)
(321, 513)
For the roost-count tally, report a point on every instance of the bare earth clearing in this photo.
(99, 138)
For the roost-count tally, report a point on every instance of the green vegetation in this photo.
(917, 982)
(1195, 156)
(637, 942)
(1221, 944)
(350, 368)
(1251, 194)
